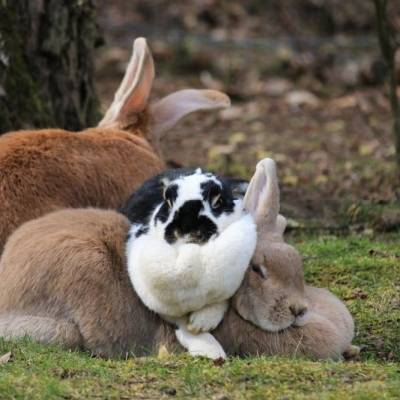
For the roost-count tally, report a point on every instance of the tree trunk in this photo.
(389, 46)
(46, 64)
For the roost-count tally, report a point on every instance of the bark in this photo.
(46, 64)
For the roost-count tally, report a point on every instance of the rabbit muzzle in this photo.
(190, 225)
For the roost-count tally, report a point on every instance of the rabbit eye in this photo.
(170, 194)
(259, 270)
(169, 202)
(216, 201)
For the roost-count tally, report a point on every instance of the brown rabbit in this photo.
(64, 279)
(46, 170)
(300, 318)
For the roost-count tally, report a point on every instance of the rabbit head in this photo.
(197, 207)
(272, 293)
(185, 205)
(130, 110)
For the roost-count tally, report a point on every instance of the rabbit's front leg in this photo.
(207, 318)
(203, 344)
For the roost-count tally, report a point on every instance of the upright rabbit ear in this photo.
(132, 96)
(262, 198)
(170, 109)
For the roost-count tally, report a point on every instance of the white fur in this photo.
(174, 281)
(208, 318)
(203, 344)
(182, 278)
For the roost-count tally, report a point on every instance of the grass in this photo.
(363, 271)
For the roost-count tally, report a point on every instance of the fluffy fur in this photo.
(64, 279)
(197, 269)
(46, 170)
(276, 269)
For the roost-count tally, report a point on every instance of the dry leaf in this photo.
(298, 98)
(163, 352)
(292, 180)
(4, 359)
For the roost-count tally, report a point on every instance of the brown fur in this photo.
(63, 279)
(77, 274)
(42, 171)
(320, 324)
(46, 170)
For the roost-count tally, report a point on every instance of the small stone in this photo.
(5, 358)
(298, 98)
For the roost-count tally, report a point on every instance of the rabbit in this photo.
(64, 280)
(273, 295)
(50, 169)
(188, 253)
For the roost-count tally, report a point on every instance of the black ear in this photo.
(141, 204)
(238, 186)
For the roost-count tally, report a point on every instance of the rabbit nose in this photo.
(298, 310)
(186, 218)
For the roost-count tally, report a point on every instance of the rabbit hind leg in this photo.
(46, 330)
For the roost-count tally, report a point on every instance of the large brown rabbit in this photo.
(46, 170)
(64, 279)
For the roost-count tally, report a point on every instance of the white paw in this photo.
(202, 345)
(207, 318)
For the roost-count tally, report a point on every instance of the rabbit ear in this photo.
(170, 109)
(262, 197)
(132, 96)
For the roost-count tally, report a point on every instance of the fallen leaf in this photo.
(218, 362)
(297, 98)
(276, 87)
(366, 149)
(344, 102)
(231, 113)
(4, 359)
(291, 180)
(163, 352)
(321, 179)
(335, 126)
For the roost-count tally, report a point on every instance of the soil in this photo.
(319, 107)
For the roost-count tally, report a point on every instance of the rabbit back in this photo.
(47, 170)
(70, 265)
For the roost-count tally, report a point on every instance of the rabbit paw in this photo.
(351, 352)
(207, 318)
(202, 345)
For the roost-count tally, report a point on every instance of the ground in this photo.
(313, 101)
(361, 270)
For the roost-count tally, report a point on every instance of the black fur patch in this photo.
(143, 230)
(171, 193)
(141, 204)
(188, 222)
(226, 203)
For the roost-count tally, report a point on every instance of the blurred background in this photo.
(306, 79)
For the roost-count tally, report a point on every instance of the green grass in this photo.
(363, 271)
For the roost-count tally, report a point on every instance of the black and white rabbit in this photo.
(189, 247)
